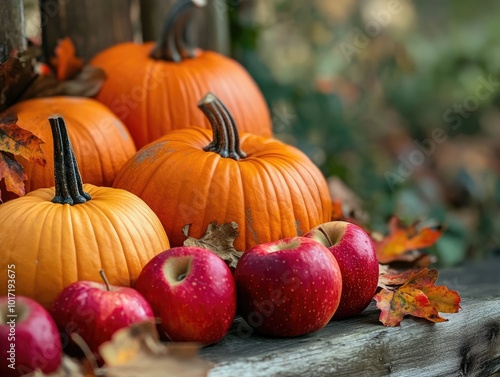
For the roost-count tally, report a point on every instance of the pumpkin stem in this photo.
(68, 181)
(172, 43)
(226, 139)
(105, 279)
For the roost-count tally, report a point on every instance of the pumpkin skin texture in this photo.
(155, 95)
(273, 193)
(101, 142)
(53, 245)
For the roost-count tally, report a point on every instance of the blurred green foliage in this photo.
(357, 85)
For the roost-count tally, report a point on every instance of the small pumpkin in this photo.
(154, 88)
(53, 237)
(101, 142)
(272, 190)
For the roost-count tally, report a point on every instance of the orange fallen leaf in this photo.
(65, 62)
(337, 213)
(418, 297)
(402, 239)
(16, 141)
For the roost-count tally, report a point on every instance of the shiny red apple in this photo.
(95, 311)
(192, 290)
(29, 338)
(289, 287)
(354, 251)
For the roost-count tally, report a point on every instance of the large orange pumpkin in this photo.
(272, 190)
(101, 142)
(51, 238)
(154, 89)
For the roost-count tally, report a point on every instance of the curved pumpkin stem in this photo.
(68, 181)
(172, 44)
(226, 139)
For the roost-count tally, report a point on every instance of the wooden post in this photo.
(92, 25)
(11, 28)
(210, 25)
(152, 14)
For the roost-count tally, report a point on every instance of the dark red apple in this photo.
(28, 338)
(355, 254)
(289, 287)
(192, 290)
(95, 311)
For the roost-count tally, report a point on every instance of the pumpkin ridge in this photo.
(283, 212)
(95, 206)
(326, 216)
(28, 212)
(289, 182)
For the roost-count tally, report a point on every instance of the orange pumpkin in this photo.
(101, 142)
(271, 189)
(154, 89)
(51, 241)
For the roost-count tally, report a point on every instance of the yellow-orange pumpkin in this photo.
(52, 237)
(155, 89)
(101, 142)
(272, 190)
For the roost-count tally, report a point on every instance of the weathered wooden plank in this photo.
(92, 25)
(11, 28)
(467, 345)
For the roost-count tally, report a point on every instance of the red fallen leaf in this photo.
(16, 141)
(65, 62)
(13, 173)
(418, 297)
(402, 239)
(391, 278)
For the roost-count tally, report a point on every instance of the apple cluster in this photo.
(286, 288)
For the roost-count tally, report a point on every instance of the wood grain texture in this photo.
(92, 25)
(467, 345)
(11, 28)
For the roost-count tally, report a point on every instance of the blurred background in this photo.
(396, 101)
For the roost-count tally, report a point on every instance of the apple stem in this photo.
(326, 235)
(80, 342)
(105, 279)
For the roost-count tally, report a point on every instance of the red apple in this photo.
(95, 311)
(28, 338)
(192, 290)
(289, 287)
(353, 249)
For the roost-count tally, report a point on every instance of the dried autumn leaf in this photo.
(219, 239)
(86, 83)
(20, 142)
(402, 239)
(13, 173)
(69, 368)
(137, 351)
(418, 297)
(66, 63)
(390, 278)
(17, 141)
(16, 73)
